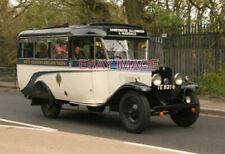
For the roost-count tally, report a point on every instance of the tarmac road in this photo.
(206, 136)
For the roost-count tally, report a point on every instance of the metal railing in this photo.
(8, 77)
(192, 51)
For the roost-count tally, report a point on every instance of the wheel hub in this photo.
(133, 113)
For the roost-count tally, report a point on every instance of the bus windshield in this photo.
(126, 48)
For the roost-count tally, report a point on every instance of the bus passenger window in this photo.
(28, 50)
(42, 50)
(100, 52)
(81, 48)
(60, 49)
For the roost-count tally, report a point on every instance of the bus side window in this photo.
(59, 49)
(99, 49)
(41, 50)
(28, 50)
(81, 48)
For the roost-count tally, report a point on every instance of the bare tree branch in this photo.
(69, 3)
(195, 5)
(20, 8)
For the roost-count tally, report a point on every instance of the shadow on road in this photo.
(108, 125)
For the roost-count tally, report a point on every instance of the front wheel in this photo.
(134, 111)
(187, 117)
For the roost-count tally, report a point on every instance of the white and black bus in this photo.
(100, 65)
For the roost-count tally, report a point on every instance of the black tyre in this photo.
(49, 107)
(185, 117)
(134, 111)
(96, 109)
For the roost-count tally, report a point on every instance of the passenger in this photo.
(43, 51)
(99, 50)
(100, 53)
(60, 49)
(77, 54)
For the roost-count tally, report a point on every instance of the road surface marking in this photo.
(28, 125)
(30, 128)
(212, 116)
(158, 148)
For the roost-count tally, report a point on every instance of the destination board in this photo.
(127, 32)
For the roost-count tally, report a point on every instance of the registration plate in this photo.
(166, 87)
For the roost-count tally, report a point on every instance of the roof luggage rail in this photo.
(115, 24)
(58, 26)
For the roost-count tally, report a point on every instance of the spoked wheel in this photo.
(188, 116)
(96, 109)
(134, 112)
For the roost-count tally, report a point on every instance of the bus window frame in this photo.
(103, 46)
(21, 50)
(91, 45)
(49, 40)
(54, 39)
(128, 38)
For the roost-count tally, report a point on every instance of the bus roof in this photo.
(95, 29)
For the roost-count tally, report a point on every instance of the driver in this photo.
(100, 53)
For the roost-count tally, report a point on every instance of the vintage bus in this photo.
(102, 65)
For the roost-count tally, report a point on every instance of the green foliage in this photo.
(43, 13)
(212, 83)
(161, 18)
(7, 32)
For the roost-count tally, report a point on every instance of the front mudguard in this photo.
(130, 86)
(187, 87)
(115, 98)
(178, 100)
(136, 86)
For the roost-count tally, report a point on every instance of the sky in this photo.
(13, 2)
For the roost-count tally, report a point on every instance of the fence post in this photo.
(15, 77)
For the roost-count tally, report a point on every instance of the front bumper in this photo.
(168, 101)
(171, 108)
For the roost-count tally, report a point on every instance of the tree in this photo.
(87, 11)
(162, 17)
(10, 24)
(7, 32)
(134, 10)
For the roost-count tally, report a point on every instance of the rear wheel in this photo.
(50, 108)
(186, 117)
(134, 111)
